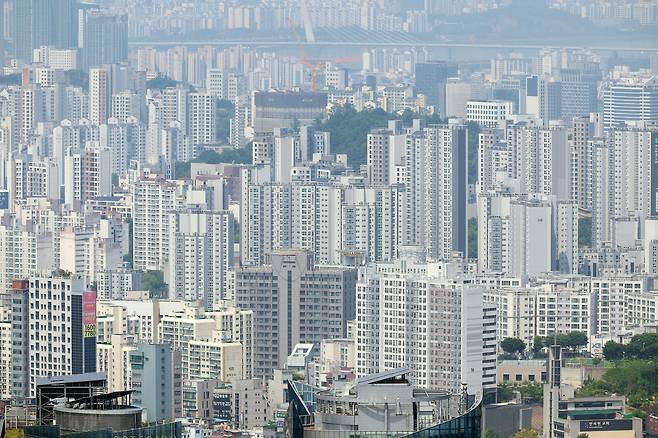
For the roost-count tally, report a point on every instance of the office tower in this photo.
(100, 95)
(578, 93)
(202, 118)
(436, 190)
(43, 23)
(543, 98)
(630, 100)
(431, 79)
(113, 136)
(87, 174)
(153, 200)
(409, 316)
(280, 109)
(489, 113)
(157, 384)
(200, 254)
(62, 328)
(293, 300)
(105, 38)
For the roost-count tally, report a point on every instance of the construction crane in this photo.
(315, 68)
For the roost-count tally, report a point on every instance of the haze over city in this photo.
(329, 219)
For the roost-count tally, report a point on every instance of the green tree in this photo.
(585, 232)
(574, 340)
(512, 345)
(160, 83)
(349, 129)
(237, 156)
(490, 433)
(224, 112)
(473, 238)
(538, 344)
(473, 147)
(637, 379)
(613, 350)
(153, 281)
(643, 346)
(583, 435)
(526, 433)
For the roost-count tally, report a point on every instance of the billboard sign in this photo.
(89, 314)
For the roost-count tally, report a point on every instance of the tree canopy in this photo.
(160, 83)
(153, 281)
(572, 341)
(512, 345)
(637, 379)
(349, 129)
(643, 346)
(237, 156)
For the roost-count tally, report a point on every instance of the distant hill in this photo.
(532, 20)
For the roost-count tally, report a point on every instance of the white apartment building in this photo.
(153, 201)
(177, 329)
(622, 175)
(113, 358)
(407, 315)
(55, 348)
(28, 177)
(87, 174)
(5, 359)
(200, 253)
(236, 325)
(100, 95)
(436, 190)
(138, 318)
(202, 118)
(210, 359)
(521, 236)
(292, 216)
(114, 138)
(126, 106)
(113, 284)
(19, 254)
